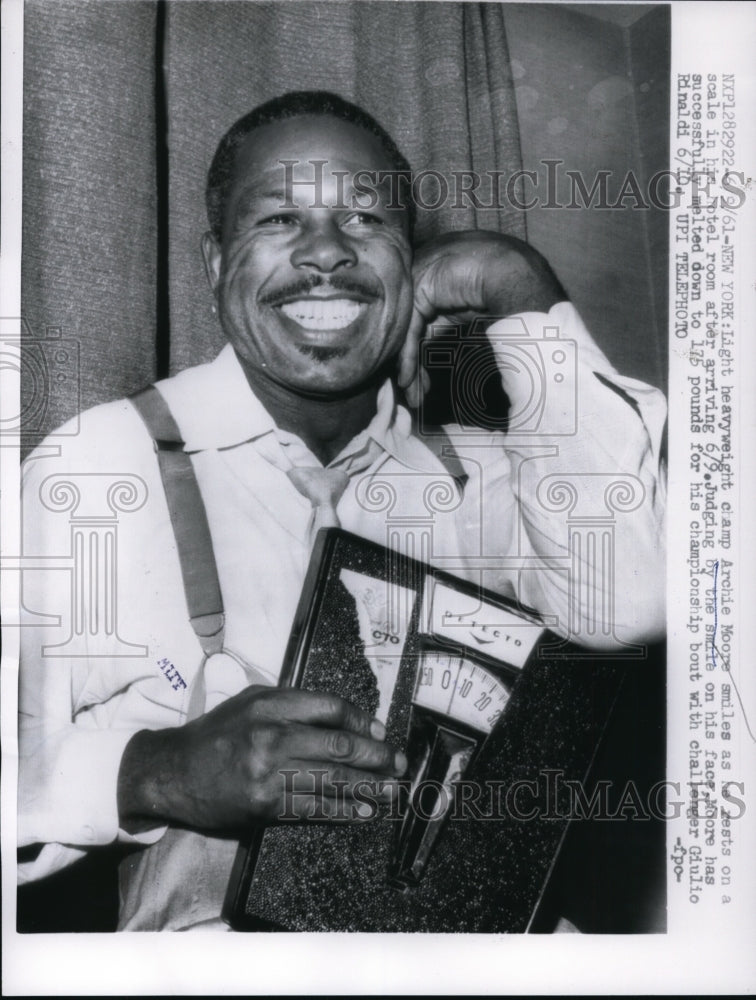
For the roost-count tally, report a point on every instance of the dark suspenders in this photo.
(188, 519)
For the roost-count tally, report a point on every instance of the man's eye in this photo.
(363, 219)
(277, 220)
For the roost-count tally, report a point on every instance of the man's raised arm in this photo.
(594, 459)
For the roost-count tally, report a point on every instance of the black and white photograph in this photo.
(374, 551)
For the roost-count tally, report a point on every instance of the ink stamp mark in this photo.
(171, 674)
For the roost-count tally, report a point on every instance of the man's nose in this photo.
(325, 247)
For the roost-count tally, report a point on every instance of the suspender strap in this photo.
(188, 518)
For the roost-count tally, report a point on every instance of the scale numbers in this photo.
(462, 690)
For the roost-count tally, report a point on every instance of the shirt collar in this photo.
(214, 405)
(232, 415)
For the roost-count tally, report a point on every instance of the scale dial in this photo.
(462, 690)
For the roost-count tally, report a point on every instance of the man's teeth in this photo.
(322, 314)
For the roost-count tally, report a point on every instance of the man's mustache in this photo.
(304, 285)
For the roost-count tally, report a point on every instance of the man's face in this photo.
(313, 290)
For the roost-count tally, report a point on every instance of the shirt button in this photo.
(88, 833)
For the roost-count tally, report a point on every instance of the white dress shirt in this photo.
(107, 648)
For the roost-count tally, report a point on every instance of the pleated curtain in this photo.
(124, 105)
(89, 204)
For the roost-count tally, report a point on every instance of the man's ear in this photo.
(211, 254)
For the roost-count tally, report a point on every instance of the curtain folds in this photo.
(89, 204)
(436, 75)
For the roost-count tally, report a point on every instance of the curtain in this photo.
(89, 205)
(436, 75)
(125, 104)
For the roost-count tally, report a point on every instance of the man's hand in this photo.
(466, 275)
(223, 771)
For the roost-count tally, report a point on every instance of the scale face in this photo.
(457, 701)
(468, 654)
(463, 691)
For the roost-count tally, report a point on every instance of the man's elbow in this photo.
(638, 619)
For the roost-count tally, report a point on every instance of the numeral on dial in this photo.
(454, 686)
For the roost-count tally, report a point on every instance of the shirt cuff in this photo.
(555, 375)
(52, 858)
(80, 804)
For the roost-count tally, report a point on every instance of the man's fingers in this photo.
(345, 749)
(313, 708)
(341, 793)
(410, 351)
(432, 297)
(418, 387)
(308, 808)
(303, 777)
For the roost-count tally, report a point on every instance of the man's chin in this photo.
(321, 353)
(329, 373)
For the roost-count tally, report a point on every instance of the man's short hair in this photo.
(290, 105)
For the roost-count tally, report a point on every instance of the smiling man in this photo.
(316, 296)
(169, 733)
